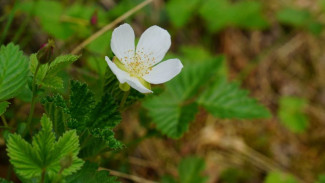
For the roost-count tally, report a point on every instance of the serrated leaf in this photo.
(68, 144)
(44, 154)
(13, 71)
(105, 113)
(47, 73)
(227, 100)
(171, 111)
(171, 118)
(3, 107)
(291, 114)
(81, 102)
(61, 62)
(192, 77)
(23, 157)
(57, 111)
(94, 121)
(190, 169)
(89, 173)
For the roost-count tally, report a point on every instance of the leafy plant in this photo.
(175, 108)
(47, 73)
(93, 121)
(13, 71)
(45, 158)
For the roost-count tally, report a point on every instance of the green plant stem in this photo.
(125, 96)
(110, 26)
(32, 108)
(43, 176)
(8, 24)
(22, 27)
(4, 121)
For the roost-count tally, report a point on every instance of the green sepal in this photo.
(124, 86)
(119, 64)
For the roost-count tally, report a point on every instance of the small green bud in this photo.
(66, 161)
(124, 86)
(45, 53)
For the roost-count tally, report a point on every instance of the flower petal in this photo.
(153, 44)
(123, 77)
(122, 43)
(135, 83)
(120, 74)
(164, 71)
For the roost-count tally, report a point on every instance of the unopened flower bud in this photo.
(45, 53)
(94, 18)
(66, 161)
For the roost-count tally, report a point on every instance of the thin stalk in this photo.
(110, 26)
(8, 24)
(127, 176)
(25, 23)
(4, 121)
(125, 96)
(32, 108)
(43, 176)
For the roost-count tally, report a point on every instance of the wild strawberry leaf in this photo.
(45, 153)
(13, 71)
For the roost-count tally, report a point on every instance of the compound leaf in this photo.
(3, 107)
(227, 100)
(13, 71)
(44, 154)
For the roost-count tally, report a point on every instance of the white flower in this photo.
(142, 65)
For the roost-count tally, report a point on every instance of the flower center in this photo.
(139, 64)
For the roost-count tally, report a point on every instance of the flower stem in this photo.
(32, 108)
(43, 175)
(4, 121)
(110, 26)
(125, 96)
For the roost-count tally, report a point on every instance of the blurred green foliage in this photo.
(279, 177)
(291, 113)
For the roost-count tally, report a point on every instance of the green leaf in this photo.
(321, 178)
(47, 73)
(13, 71)
(171, 118)
(279, 177)
(180, 16)
(95, 121)
(293, 17)
(51, 22)
(172, 111)
(192, 78)
(243, 14)
(190, 169)
(3, 107)
(89, 173)
(81, 102)
(291, 114)
(57, 111)
(44, 154)
(227, 100)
